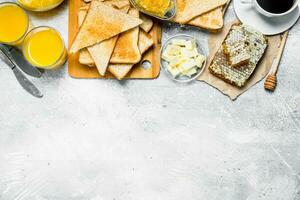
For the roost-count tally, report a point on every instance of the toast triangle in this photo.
(101, 23)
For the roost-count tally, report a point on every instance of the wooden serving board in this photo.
(77, 70)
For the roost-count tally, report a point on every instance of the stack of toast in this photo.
(206, 14)
(239, 54)
(113, 36)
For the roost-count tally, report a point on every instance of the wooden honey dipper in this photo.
(271, 81)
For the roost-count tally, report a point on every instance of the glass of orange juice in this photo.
(43, 47)
(14, 23)
(39, 5)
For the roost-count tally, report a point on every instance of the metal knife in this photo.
(17, 58)
(24, 82)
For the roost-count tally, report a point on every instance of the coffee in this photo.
(276, 6)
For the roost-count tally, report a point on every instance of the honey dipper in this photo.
(271, 81)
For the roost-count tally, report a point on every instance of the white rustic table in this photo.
(149, 139)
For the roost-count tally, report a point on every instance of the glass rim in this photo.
(60, 36)
(27, 16)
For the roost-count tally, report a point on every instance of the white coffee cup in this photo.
(269, 14)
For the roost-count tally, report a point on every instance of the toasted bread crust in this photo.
(97, 27)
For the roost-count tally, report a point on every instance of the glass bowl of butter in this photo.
(182, 58)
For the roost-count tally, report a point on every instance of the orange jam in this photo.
(156, 7)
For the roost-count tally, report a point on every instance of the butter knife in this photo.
(17, 58)
(24, 82)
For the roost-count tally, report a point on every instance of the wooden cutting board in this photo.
(77, 70)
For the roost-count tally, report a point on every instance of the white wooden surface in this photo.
(153, 139)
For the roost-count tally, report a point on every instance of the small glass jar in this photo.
(39, 5)
(155, 11)
(14, 23)
(44, 47)
(182, 78)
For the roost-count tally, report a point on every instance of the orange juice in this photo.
(40, 5)
(43, 47)
(14, 23)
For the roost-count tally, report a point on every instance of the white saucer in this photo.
(268, 26)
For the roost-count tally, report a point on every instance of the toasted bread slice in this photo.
(147, 23)
(212, 20)
(101, 23)
(101, 53)
(189, 9)
(85, 57)
(119, 3)
(121, 70)
(84, 8)
(98, 54)
(127, 50)
(116, 3)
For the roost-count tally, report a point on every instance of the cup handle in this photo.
(246, 1)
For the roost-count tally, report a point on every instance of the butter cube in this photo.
(179, 42)
(190, 45)
(200, 59)
(186, 66)
(190, 72)
(173, 50)
(175, 62)
(189, 53)
(173, 71)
